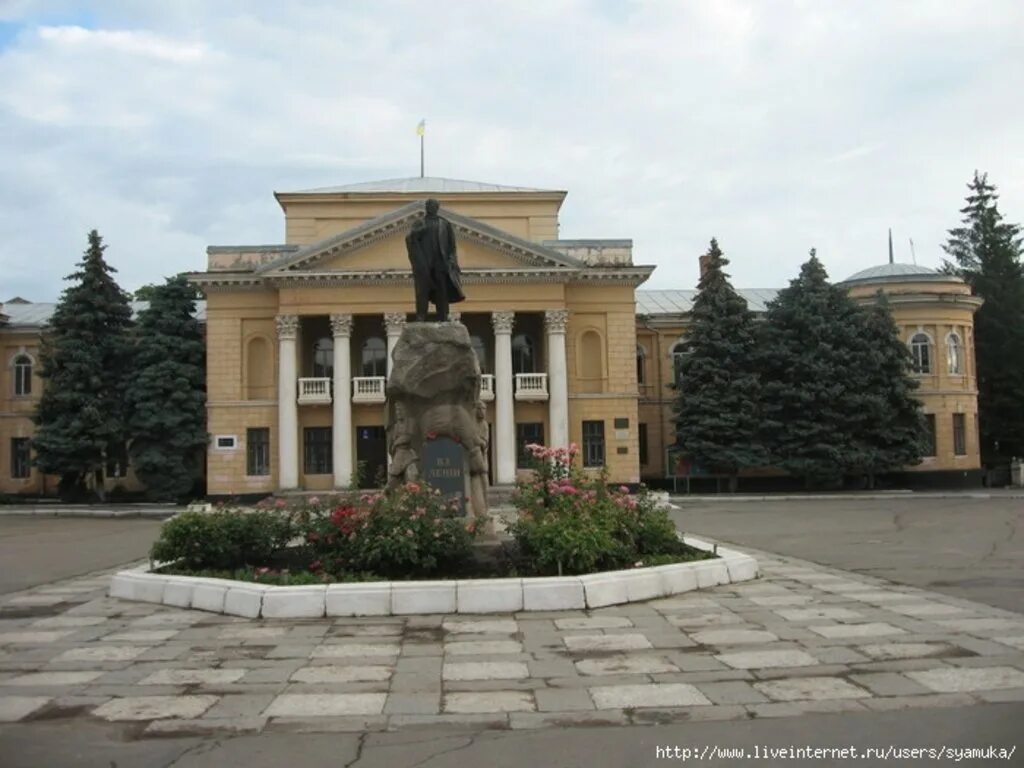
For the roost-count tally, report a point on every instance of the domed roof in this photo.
(898, 273)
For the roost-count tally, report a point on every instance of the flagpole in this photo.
(421, 155)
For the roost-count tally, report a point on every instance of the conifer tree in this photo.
(986, 253)
(887, 421)
(167, 397)
(80, 416)
(808, 391)
(718, 409)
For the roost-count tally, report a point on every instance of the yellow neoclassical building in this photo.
(299, 336)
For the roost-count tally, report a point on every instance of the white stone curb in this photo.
(395, 598)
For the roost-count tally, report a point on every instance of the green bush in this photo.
(410, 532)
(224, 539)
(570, 523)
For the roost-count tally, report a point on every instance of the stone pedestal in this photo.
(434, 393)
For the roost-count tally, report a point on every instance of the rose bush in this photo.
(570, 523)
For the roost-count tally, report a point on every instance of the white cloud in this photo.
(774, 127)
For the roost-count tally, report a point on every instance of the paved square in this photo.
(625, 665)
(489, 701)
(811, 689)
(326, 704)
(154, 707)
(631, 642)
(628, 696)
(332, 674)
(485, 670)
(971, 679)
(767, 659)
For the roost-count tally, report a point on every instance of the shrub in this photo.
(569, 523)
(224, 539)
(411, 532)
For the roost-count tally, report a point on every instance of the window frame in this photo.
(921, 352)
(642, 448)
(641, 365)
(379, 361)
(954, 354)
(678, 353)
(22, 366)
(519, 341)
(959, 435)
(594, 447)
(318, 454)
(323, 347)
(257, 450)
(931, 430)
(524, 459)
(21, 458)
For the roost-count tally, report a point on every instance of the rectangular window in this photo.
(117, 460)
(930, 441)
(593, 443)
(643, 443)
(257, 451)
(317, 453)
(20, 463)
(959, 434)
(526, 434)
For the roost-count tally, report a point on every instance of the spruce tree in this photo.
(80, 416)
(718, 413)
(986, 253)
(887, 421)
(808, 394)
(167, 397)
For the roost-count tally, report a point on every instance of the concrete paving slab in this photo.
(14, 708)
(625, 665)
(489, 701)
(766, 659)
(950, 680)
(341, 674)
(810, 688)
(326, 704)
(485, 670)
(647, 695)
(154, 707)
(585, 643)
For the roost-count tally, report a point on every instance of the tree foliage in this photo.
(167, 398)
(80, 417)
(986, 252)
(718, 405)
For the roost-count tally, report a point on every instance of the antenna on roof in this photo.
(890, 245)
(913, 253)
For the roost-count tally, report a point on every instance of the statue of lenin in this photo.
(435, 268)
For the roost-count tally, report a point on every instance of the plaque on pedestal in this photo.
(443, 467)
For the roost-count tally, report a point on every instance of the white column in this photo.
(504, 406)
(287, 404)
(341, 423)
(558, 378)
(394, 322)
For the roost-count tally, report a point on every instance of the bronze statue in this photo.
(435, 266)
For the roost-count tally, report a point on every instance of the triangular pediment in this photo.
(379, 244)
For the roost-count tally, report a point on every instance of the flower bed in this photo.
(575, 543)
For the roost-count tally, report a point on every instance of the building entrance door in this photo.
(371, 456)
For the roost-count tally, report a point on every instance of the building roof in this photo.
(896, 273)
(668, 302)
(38, 313)
(415, 185)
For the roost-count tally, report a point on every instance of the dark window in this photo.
(481, 353)
(593, 443)
(317, 452)
(921, 352)
(525, 435)
(641, 372)
(931, 446)
(22, 375)
(679, 353)
(522, 354)
(20, 465)
(117, 460)
(375, 357)
(643, 443)
(959, 434)
(323, 358)
(257, 451)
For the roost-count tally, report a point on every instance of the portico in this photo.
(300, 336)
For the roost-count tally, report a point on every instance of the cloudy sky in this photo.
(773, 126)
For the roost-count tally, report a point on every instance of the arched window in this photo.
(323, 358)
(259, 369)
(481, 353)
(679, 353)
(375, 357)
(523, 358)
(641, 365)
(954, 354)
(22, 375)
(921, 351)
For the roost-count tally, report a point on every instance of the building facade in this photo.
(299, 337)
